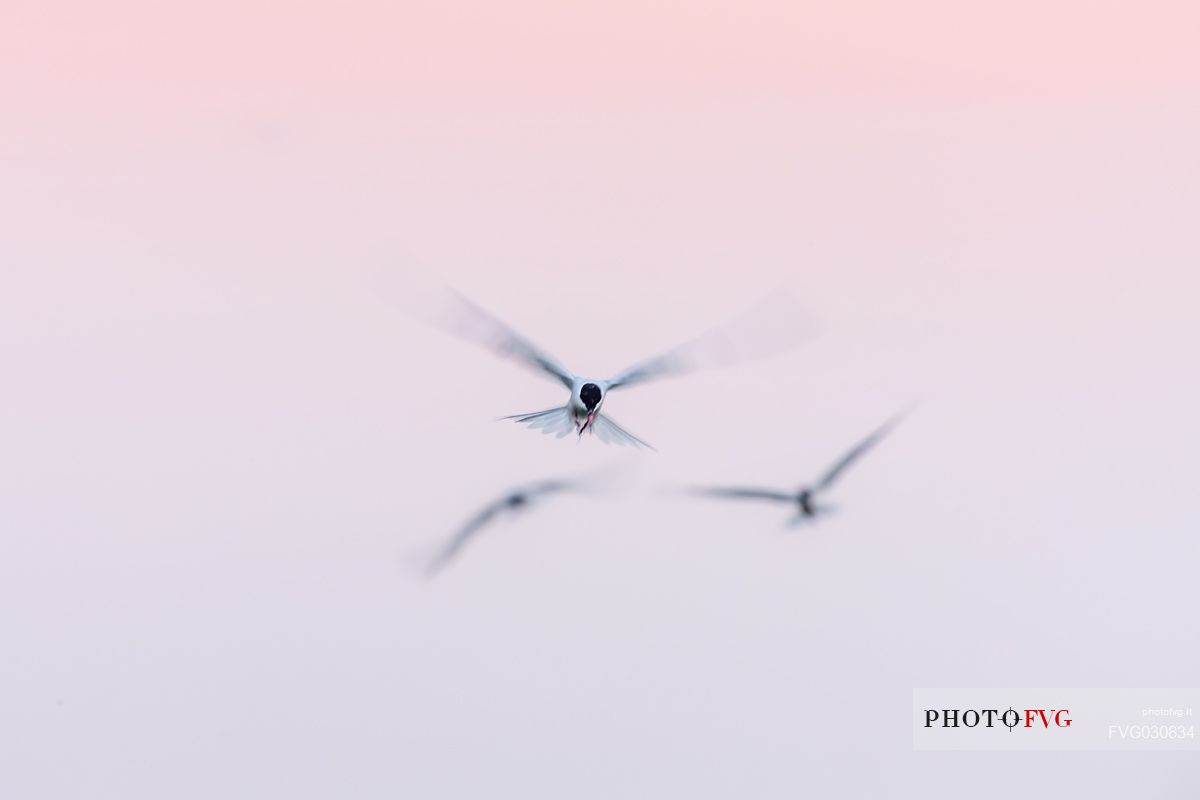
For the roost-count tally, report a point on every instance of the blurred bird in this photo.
(515, 500)
(805, 497)
(582, 412)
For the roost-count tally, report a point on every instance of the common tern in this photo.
(514, 500)
(583, 410)
(805, 498)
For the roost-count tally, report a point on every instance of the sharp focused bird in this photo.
(805, 498)
(516, 499)
(583, 410)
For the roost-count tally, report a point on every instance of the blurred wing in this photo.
(464, 535)
(673, 362)
(557, 421)
(548, 487)
(770, 327)
(473, 323)
(610, 432)
(738, 493)
(476, 523)
(855, 452)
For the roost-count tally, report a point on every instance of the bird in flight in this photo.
(582, 412)
(512, 501)
(805, 498)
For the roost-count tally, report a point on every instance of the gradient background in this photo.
(222, 447)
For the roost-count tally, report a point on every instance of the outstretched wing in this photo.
(610, 432)
(769, 327)
(464, 535)
(473, 323)
(855, 452)
(671, 363)
(557, 421)
(484, 516)
(739, 493)
(548, 487)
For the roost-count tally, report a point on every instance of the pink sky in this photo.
(114, 63)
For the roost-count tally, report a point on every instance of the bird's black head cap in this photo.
(590, 395)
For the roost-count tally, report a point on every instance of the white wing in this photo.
(610, 432)
(670, 363)
(557, 421)
(769, 327)
(473, 323)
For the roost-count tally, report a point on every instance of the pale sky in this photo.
(225, 445)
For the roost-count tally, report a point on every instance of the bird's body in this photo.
(586, 399)
(805, 498)
(808, 507)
